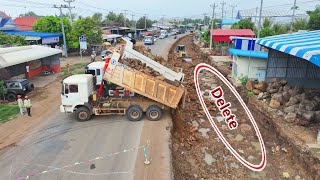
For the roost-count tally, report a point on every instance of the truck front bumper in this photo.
(66, 109)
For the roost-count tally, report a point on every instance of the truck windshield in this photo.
(90, 72)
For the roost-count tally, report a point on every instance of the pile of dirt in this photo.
(196, 149)
(147, 52)
(138, 65)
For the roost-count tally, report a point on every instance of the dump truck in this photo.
(129, 91)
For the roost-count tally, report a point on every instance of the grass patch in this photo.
(8, 112)
(79, 65)
(74, 69)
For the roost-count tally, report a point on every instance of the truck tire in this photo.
(135, 113)
(11, 97)
(30, 87)
(154, 113)
(82, 114)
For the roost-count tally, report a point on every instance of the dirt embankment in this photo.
(196, 149)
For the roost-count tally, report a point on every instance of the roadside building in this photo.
(6, 23)
(28, 61)
(51, 39)
(223, 35)
(227, 23)
(247, 59)
(294, 57)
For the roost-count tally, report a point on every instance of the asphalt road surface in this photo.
(161, 46)
(103, 148)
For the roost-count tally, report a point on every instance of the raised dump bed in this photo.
(143, 84)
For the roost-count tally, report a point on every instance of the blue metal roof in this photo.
(230, 21)
(246, 53)
(305, 45)
(35, 34)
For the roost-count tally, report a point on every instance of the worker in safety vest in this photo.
(21, 105)
(27, 105)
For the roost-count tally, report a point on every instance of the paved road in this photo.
(161, 47)
(63, 148)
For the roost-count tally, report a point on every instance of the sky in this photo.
(154, 9)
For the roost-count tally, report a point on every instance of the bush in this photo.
(3, 90)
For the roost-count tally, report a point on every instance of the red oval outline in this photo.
(253, 167)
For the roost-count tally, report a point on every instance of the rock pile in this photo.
(293, 102)
(138, 65)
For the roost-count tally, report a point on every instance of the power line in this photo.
(125, 18)
(232, 6)
(69, 7)
(222, 4)
(293, 14)
(62, 27)
(259, 25)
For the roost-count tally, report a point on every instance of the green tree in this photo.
(97, 17)
(244, 24)
(300, 24)
(279, 29)
(30, 13)
(3, 90)
(51, 24)
(111, 17)
(215, 21)
(89, 28)
(141, 22)
(6, 39)
(267, 23)
(266, 32)
(206, 36)
(314, 21)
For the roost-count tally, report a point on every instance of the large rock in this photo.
(278, 97)
(317, 98)
(286, 88)
(260, 96)
(262, 86)
(266, 95)
(250, 85)
(286, 96)
(283, 82)
(274, 80)
(295, 91)
(256, 91)
(293, 100)
(309, 116)
(309, 105)
(272, 91)
(276, 85)
(274, 104)
(317, 116)
(290, 117)
(290, 109)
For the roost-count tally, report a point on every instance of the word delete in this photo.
(224, 108)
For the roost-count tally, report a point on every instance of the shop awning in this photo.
(305, 45)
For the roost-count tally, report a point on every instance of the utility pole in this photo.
(259, 25)
(232, 6)
(145, 21)
(125, 18)
(222, 4)
(69, 7)
(213, 13)
(255, 17)
(293, 15)
(62, 27)
(204, 19)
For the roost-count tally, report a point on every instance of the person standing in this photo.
(27, 105)
(21, 105)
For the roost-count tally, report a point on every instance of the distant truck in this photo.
(130, 92)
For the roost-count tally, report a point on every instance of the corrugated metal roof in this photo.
(246, 53)
(269, 13)
(25, 23)
(16, 55)
(232, 32)
(31, 33)
(305, 45)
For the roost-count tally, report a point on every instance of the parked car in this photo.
(148, 41)
(17, 87)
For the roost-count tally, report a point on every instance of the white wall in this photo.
(256, 69)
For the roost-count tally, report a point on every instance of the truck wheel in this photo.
(11, 97)
(83, 114)
(135, 113)
(154, 113)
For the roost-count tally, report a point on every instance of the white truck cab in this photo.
(96, 69)
(76, 91)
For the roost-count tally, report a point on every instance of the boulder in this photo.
(274, 80)
(262, 86)
(295, 91)
(309, 105)
(250, 85)
(276, 85)
(286, 88)
(317, 116)
(256, 91)
(274, 104)
(290, 117)
(286, 96)
(309, 116)
(266, 95)
(260, 96)
(317, 98)
(283, 82)
(272, 91)
(278, 97)
(289, 109)
(292, 101)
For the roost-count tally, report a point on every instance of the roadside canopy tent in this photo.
(16, 55)
(305, 45)
(47, 38)
(223, 35)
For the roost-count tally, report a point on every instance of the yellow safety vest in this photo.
(27, 103)
(20, 103)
